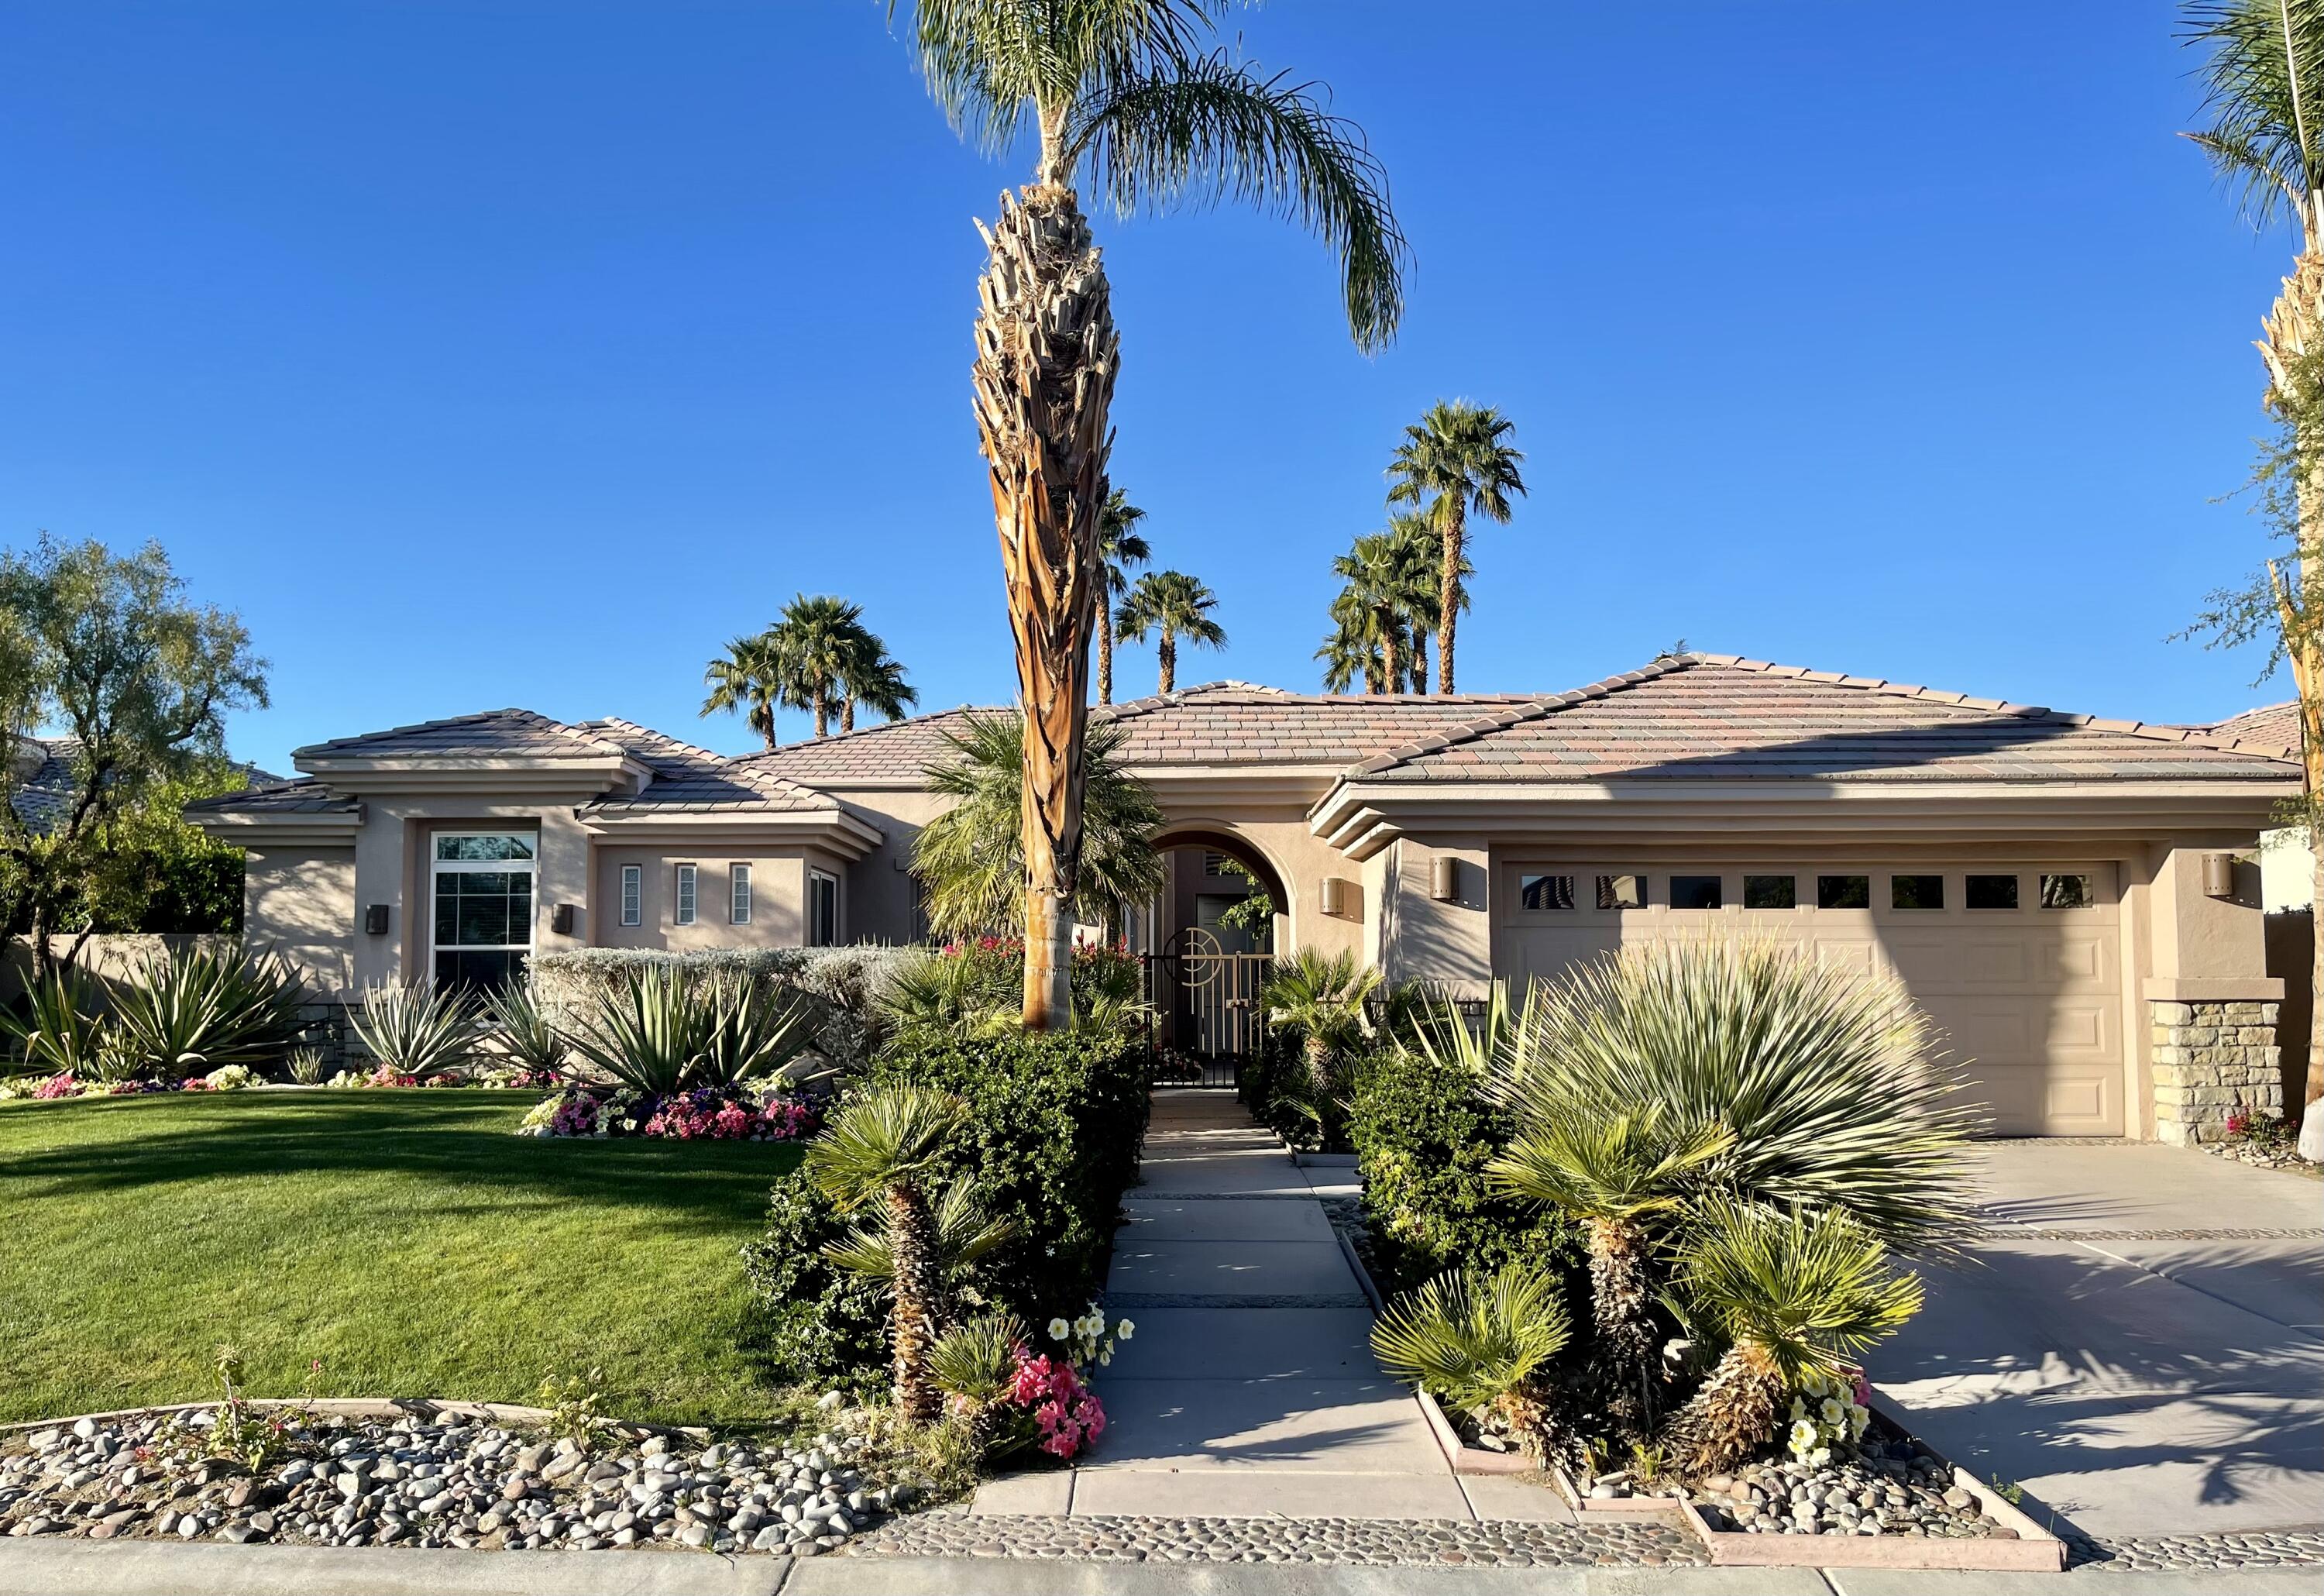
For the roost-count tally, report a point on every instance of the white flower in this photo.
(1122, 1331)
(1799, 1408)
(1804, 1435)
(1833, 1413)
(1059, 1330)
(1105, 1357)
(1858, 1417)
(1820, 1456)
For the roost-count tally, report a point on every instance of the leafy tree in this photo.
(2263, 77)
(110, 648)
(1456, 461)
(970, 857)
(1175, 605)
(1120, 546)
(1128, 93)
(748, 678)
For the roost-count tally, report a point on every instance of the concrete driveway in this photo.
(2140, 1344)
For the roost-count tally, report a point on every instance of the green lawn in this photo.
(403, 1238)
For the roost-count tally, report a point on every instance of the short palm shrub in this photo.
(416, 1033)
(1792, 1296)
(1320, 998)
(1478, 1343)
(976, 988)
(204, 1009)
(60, 1031)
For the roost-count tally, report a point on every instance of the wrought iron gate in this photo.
(1207, 1001)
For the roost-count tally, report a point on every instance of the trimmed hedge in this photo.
(1423, 1137)
(844, 983)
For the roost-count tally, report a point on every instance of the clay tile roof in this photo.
(2270, 726)
(1719, 717)
(694, 779)
(277, 796)
(895, 752)
(494, 732)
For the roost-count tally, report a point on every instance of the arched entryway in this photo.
(1207, 940)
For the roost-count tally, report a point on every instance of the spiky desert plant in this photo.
(1792, 1293)
(1833, 1083)
(961, 1232)
(883, 1149)
(417, 1031)
(305, 1065)
(1615, 1169)
(521, 1030)
(204, 1008)
(61, 1030)
(1319, 998)
(974, 1364)
(1476, 1342)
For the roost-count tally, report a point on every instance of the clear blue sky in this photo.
(524, 351)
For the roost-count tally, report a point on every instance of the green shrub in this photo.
(979, 987)
(204, 1009)
(1055, 1121)
(1423, 1137)
(811, 1321)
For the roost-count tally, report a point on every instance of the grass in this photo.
(406, 1240)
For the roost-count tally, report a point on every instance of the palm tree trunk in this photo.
(1448, 592)
(847, 713)
(822, 708)
(1104, 645)
(1046, 354)
(1618, 1294)
(1319, 1065)
(1727, 1420)
(1391, 668)
(911, 1245)
(1419, 662)
(1168, 654)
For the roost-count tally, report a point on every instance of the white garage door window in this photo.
(2020, 964)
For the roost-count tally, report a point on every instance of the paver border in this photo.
(386, 1408)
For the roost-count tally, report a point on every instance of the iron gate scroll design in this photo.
(1208, 1002)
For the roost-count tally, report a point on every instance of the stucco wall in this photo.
(301, 903)
(778, 883)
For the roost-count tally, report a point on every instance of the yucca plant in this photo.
(417, 1031)
(1832, 1083)
(1615, 1169)
(1439, 1030)
(59, 1032)
(1477, 1344)
(883, 1149)
(975, 1364)
(521, 1030)
(750, 1033)
(1792, 1294)
(203, 1010)
(1320, 998)
(306, 1066)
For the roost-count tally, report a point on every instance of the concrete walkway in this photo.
(1249, 1387)
(2140, 1344)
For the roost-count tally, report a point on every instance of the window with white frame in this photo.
(738, 894)
(481, 891)
(685, 896)
(633, 894)
(822, 910)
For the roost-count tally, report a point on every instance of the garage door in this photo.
(2020, 964)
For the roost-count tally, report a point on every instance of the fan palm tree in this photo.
(1175, 605)
(870, 677)
(1320, 998)
(1375, 604)
(1476, 1341)
(1456, 461)
(883, 1149)
(1126, 93)
(747, 677)
(972, 859)
(2265, 83)
(1418, 558)
(1615, 1169)
(1792, 1294)
(813, 642)
(1348, 654)
(1120, 547)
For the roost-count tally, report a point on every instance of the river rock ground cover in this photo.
(403, 1240)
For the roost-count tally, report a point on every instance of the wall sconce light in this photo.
(1335, 896)
(375, 920)
(560, 920)
(2218, 875)
(1444, 878)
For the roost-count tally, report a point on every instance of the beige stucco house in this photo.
(2074, 899)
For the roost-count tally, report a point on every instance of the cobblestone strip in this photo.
(1383, 1542)
(2257, 1549)
(2010, 1230)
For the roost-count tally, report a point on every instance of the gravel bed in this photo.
(1386, 1542)
(2261, 1156)
(1909, 1495)
(454, 1482)
(2254, 1548)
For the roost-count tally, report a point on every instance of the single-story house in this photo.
(2075, 900)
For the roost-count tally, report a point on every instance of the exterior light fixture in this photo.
(1335, 896)
(1444, 878)
(375, 920)
(560, 920)
(2218, 875)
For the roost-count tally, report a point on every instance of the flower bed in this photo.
(708, 1114)
(65, 1083)
(384, 1077)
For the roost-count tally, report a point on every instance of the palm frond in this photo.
(2257, 50)
(963, 1234)
(976, 1361)
(1320, 996)
(1809, 1290)
(884, 1138)
(1600, 1165)
(1189, 127)
(1470, 1342)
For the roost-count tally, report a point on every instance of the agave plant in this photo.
(521, 1030)
(1476, 1344)
(750, 1033)
(203, 1010)
(1320, 998)
(417, 1031)
(1831, 1084)
(663, 1030)
(1793, 1294)
(61, 1032)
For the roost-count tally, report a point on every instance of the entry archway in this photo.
(1210, 938)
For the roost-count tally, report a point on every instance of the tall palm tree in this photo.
(883, 1149)
(1178, 607)
(869, 677)
(748, 678)
(1349, 653)
(2265, 83)
(1128, 93)
(813, 642)
(1376, 602)
(1120, 547)
(1418, 556)
(972, 856)
(1456, 461)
